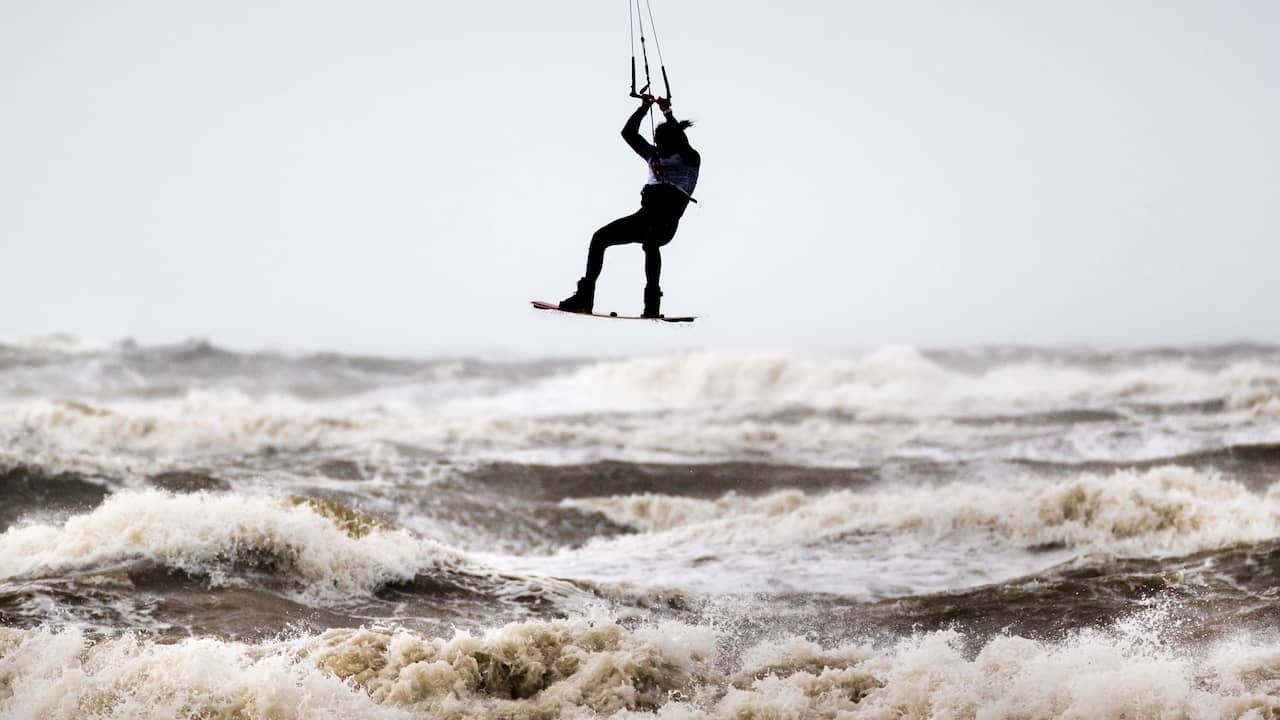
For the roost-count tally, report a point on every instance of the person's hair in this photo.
(675, 129)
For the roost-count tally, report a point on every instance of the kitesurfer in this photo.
(673, 174)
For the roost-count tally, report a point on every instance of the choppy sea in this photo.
(189, 531)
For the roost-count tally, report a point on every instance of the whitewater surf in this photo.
(1007, 532)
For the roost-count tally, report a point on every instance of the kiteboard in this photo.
(664, 318)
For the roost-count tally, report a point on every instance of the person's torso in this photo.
(674, 170)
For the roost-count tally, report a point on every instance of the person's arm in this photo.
(665, 106)
(631, 131)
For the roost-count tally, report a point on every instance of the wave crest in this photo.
(330, 550)
(1163, 510)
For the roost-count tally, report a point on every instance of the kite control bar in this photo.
(643, 92)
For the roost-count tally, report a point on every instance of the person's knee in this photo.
(663, 234)
(654, 246)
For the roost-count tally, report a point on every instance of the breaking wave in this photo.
(1124, 672)
(327, 548)
(1165, 510)
(599, 668)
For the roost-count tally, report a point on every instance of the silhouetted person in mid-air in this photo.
(673, 174)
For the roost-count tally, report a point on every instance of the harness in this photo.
(660, 175)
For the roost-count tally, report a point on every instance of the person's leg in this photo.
(652, 269)
(652, 264)
(619, 232)
(659, 234)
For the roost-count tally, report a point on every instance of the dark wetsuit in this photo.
(672, 179)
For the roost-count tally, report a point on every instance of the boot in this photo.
(652, 301)
(583, 300)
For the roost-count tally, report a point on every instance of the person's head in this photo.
(670, 137)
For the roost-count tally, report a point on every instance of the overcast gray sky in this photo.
(405, 176)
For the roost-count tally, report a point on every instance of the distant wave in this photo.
(782, 406)
(61, 367)
(894, 379)
(200, 422)
(60, 342)
(888, 379)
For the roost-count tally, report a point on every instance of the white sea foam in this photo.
(540, 670)
(1113, 674)
(66, 675)
(327, 550)
(597, 668)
